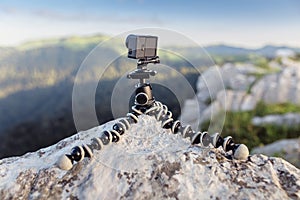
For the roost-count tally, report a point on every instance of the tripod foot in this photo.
(64, 163)
(241, 152)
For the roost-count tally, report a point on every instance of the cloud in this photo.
(8, 10)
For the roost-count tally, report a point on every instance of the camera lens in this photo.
(141, 98)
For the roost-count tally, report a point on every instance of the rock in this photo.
(212, 110)
(290, 63)
(249, 103)
(236, 77)
(241, 82)
(288, 149)
(210, 83)
(238, 100)
(231, 100)
(147, 163)
(288, 119)
(270, 89)
(285, 53)
(191, 114)
(213, 96)
(228, 71)
(281, 87)
(297, 98)
(233, 88)
(275, 66)
(248, 68)
(258, 89)
(225, 98)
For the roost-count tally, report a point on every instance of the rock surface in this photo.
(280, 87)
(221, 89)
(289, 149)
(147, 163)
(288, 119)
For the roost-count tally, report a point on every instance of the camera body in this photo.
(141, 46)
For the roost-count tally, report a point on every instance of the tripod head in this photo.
(143, 93)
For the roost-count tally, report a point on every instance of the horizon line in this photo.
(89, 35)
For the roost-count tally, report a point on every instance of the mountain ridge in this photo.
(95, 39)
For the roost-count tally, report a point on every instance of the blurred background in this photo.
(255, 43)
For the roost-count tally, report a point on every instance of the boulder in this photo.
(147, 163)
(248, 68)
(249, 103)
(288, 149)
(209, 84)
(288, 119)
(191, 113)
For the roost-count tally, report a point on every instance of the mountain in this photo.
(266, 51)
(270, 51)
(227, 50)
(148, 162)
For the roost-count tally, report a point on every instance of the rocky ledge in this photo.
(234, 87)
(147, 163)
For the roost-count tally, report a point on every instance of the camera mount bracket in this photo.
(142, 73)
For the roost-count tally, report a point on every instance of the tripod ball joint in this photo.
(119, 128)
(161, 113)
(143, 95)
(239, 151)
(66, 161)
(141, 98)
(78, 153)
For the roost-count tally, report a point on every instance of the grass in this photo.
(238, 125)
(263, 109)
(262, 63)
(296, 57)
(279, 154)
(222, 59)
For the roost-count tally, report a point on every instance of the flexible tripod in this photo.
(145, 104)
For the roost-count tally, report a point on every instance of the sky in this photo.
(245, 23)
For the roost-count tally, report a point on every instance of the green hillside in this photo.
(73, 42)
